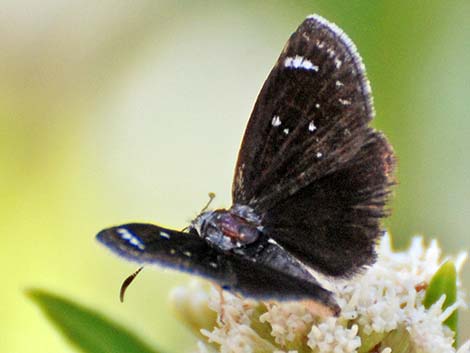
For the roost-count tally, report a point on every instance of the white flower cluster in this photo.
(389, 296)
(386, 300)
(328, 336)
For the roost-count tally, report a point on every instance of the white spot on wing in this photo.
(187, 253)
(317, 105)
(133, 240)
(319, 154)
(286, 131)
(311, 126)
(339, 83)
(299, 62)
(338, 63)
(213, 264)
(344, 101)
(276, 121)
(164, 235)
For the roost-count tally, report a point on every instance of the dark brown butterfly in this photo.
(310, 187)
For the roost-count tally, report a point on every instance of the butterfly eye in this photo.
(209, 229)
(248, 234)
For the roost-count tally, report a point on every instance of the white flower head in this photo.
(381, 309)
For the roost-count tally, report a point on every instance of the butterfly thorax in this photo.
(228, 229)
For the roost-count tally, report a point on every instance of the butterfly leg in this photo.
(221, 318)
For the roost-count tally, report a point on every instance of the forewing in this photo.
(309, 164)
(148, 243)
(309, 119)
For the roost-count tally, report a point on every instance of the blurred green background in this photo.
(117, 111)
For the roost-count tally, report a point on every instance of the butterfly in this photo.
(311, 184)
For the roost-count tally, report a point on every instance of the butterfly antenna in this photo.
(127, 283)
(211, 197)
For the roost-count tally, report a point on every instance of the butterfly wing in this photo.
(309, 162)
(150, 244)
(240, 272)
(333, 223)
(260, 281)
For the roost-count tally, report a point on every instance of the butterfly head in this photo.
(228, 229)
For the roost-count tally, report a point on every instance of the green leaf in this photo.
(85, 328)
(444, 281)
